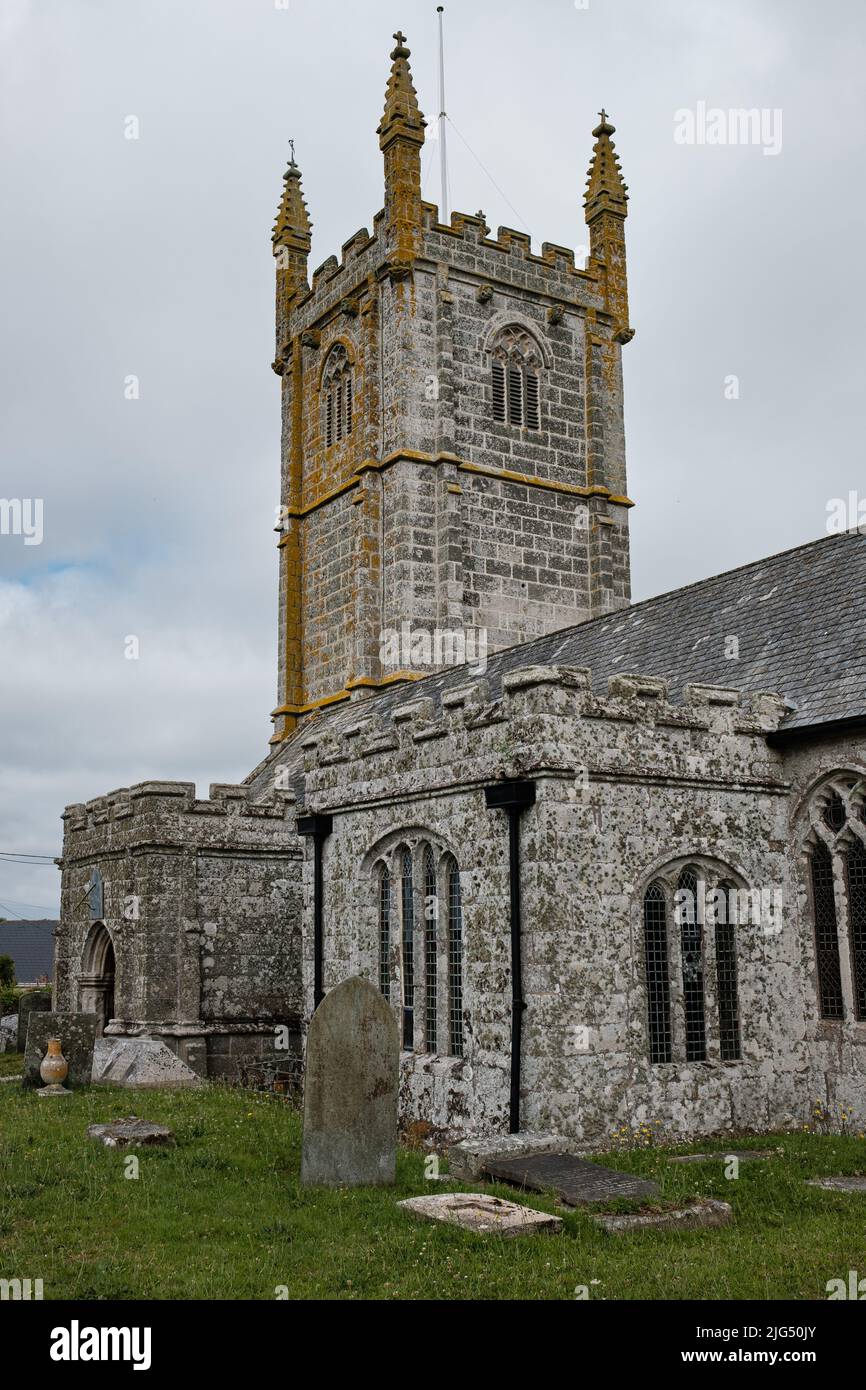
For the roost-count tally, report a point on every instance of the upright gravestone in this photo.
(77, 1034)
(31, 1002)
(350, 1090)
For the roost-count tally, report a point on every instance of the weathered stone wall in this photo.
(630, 789)
(202, 906)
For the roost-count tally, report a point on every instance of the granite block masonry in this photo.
(350, 1090)
(77, 1034)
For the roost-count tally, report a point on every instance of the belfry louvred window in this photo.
(337, 395)
(516, 369)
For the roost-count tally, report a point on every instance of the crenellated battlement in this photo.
(545, 693)
(160, 801)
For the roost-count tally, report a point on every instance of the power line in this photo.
(25, 854)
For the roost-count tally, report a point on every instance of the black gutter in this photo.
(513, 798)
(320, 828)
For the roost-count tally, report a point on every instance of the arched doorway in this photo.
(96, 979)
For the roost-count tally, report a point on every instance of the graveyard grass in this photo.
(222, 1216)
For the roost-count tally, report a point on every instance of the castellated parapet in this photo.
(194, 933)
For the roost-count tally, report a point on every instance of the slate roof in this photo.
(799, 619)
(31, 946)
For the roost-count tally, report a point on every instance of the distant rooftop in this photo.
(31, 946)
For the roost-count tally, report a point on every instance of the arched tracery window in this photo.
(705, 909)
(337, 395)
(836, 874)
(516, 368)
(414, 879)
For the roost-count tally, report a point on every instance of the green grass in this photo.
(222, 1216)
(11, 1063)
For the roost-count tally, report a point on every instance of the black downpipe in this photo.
(513, 798)
(320, 828)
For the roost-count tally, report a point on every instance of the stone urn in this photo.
(54, 1069)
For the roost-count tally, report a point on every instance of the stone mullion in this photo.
(675, 978)
(712, 1023)
(843, 933)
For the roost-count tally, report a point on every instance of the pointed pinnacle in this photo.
(402, 115)
(606, 190)
(293, 224)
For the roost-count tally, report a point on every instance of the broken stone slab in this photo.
(131, 1133)
(466, 1160)
(842, 1183)
(77, 1034)
(144, 1062)
(482, 1213)
(708, 1211)
(575, 1181)
(744, 1155)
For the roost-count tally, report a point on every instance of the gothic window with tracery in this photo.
(835, 851)
(337, 395)
(686, 1017)
(411, 882)
(516, 368)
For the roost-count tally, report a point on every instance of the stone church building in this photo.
(606, 860)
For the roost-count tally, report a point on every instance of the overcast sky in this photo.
(151, 258)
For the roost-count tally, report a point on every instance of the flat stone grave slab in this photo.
(466, 1160)
(481, 1213)
(705, 1212)
(77, 1034)
(744, 1155)
(131, 1133)
(575, 1180)
(839, 1184)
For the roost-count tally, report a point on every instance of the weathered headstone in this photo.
(35, 1002)
(350, 1090)
(77, 1034)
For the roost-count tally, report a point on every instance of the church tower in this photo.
(453, 452)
